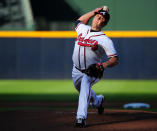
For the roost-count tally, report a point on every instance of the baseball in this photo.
(106, 8)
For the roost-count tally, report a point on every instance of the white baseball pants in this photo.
(83, 84)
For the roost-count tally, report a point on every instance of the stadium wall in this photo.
(40, 57)
(125, 14)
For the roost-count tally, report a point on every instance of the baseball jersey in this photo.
(90, 46)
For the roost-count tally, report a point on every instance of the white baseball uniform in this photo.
(89, 48)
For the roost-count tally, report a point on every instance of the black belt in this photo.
(83, 71)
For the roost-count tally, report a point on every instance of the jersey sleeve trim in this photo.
(78, 22)
(112, 55)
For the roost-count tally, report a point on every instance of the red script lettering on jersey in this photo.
(87, 42)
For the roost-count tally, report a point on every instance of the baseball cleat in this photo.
(80, 123)
(101, 107)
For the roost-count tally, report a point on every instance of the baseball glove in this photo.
(95, 70)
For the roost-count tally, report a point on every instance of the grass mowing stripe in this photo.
(66, 86)
(36, 86)
(63, 90)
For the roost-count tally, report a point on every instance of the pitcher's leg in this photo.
(84, 97)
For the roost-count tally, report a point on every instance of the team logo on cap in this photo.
(103, 13)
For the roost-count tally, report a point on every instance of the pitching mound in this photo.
(60, 119)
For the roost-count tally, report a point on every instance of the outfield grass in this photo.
(63, 90)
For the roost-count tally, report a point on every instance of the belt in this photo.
(83, 71)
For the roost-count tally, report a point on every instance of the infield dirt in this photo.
(52, 117)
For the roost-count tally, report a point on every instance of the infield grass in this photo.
(63, 90)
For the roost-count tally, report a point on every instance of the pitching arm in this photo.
(86, 17)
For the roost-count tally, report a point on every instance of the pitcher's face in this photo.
(98, 21)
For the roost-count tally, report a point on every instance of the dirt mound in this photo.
(60, 119)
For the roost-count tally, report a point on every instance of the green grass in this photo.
(128, 90)
(63, 90)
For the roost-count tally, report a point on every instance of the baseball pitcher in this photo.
(90, 46)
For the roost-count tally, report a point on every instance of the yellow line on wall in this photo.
(72, 34)
(39, 34)
(131, 34)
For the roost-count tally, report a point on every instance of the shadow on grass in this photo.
(66, 101)
(74, 97)
(38, 97)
